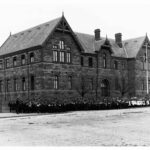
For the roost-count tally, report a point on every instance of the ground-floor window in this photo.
(105, 90)
(56, 82)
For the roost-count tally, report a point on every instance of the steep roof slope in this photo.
(29, 38)
(133, 46)
(90, 45)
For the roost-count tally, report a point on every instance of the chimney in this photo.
(118, 39)
(97, 34)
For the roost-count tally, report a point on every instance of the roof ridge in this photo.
(133, 38)
(36, 26)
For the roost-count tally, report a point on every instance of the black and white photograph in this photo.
(75, 73)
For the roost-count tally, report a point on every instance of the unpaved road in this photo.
(126, 127)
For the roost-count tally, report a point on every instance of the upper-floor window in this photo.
(82, 61)
(1, 64)
(55, 46)
(62, 56)
(23, 59)
(115, 64)
(56, 82)
(68, 57)
(7, 62)
(15, 61)
(32, 82)
(123, 65)
(90, 62)
(31, 57)
(61, 45)
(104, 60)
(55, 56)
(142, 85)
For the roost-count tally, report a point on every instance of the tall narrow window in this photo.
(23, 84)
(32, 82)
(82, 61)
(23, 59)
(142, 87)
(62, 56)
(15, 85)
(104, 60)
(7, 62)
(56, 82)
(115, 64)
(70, 82)
(1, 64)
(61, 44)
(68, 57)
(31, 57)
(116, 83)
(90, 62)
(91, 83)
(55, 56)
(8, 85)
(0, 86)
(15, 61)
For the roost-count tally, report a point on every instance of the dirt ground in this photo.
(126, 127)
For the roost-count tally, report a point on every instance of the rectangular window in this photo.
(82, 61)
(115, 65)
(90, 62)
(68, 57)
(55, 56)
(62, 56)
(56, 82)
(0, 86)
(15, 61)
(1, 64)
(70, 82)
(123, 65)
(8, 85)
(7, 62)
(31, 57)
(91, 83)
(23, 61)
(15, 85)
(32, 83)
(116, 84)
(23, 84)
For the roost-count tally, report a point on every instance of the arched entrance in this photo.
(105, 90)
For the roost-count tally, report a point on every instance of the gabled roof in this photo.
(90, 45)
(29, 38)
(133, 46)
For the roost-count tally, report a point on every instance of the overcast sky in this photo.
(130, 17)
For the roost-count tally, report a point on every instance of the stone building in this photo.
(53, 64)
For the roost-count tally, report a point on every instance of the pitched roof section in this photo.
(29, 38)
(133, 46)
(90, 45)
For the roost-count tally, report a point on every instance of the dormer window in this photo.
(104, 60)
(61, 44)
(31, 57)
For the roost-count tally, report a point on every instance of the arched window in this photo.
(104, 60)
(23, 59)
(105, 88)
(31, 57)
(56, 82)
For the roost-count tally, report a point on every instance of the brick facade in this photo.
(58, 80)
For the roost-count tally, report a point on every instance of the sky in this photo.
(130, 17)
